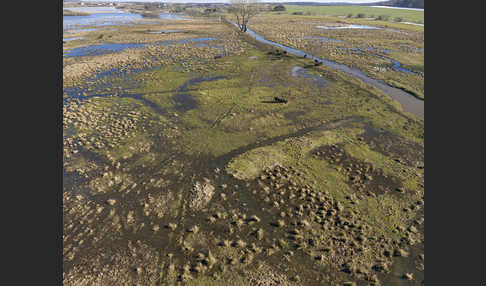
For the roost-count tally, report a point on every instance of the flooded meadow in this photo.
(194, 154)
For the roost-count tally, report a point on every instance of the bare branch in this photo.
(244, 10)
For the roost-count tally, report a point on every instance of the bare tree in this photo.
(244, 10)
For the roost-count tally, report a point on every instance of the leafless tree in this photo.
(244, 10)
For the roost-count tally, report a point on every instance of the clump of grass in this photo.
(350, 15)
(150, 14)
(398, 19)
(360, 15)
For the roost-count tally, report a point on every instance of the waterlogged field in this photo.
(391, 52)
(181, 167)
(415, 16)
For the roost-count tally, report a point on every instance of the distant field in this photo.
(406, 15)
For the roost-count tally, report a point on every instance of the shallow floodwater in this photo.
(168, 16)
(348, 27)
(95, 50)
(403, 8)
(315, 79)
(108, 16)
(397, 66)
(408, 102)
(181, 97)
(100, 19)
(104, 9)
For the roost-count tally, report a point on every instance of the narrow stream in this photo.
(408, 102)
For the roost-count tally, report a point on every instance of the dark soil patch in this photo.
(184, 102)
(389, 144)
(362, 177)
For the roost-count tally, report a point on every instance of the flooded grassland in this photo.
(181, 168)
(392, 52)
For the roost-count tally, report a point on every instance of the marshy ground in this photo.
(393, 52)
(181, 168)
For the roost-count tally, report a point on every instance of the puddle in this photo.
(300, 72)
(375, 50)
(412, 49)
(348, 27)
(351, 50)
(169, 16)
(397, 66)
(95, 50)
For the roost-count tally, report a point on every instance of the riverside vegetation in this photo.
(181, 167)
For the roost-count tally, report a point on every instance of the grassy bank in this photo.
(367, 12)
(74, 13)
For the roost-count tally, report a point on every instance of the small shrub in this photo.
(383, 18)
(360, 15)
(398, 19)
(350, 15)
(298, 13)
(279, 7)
